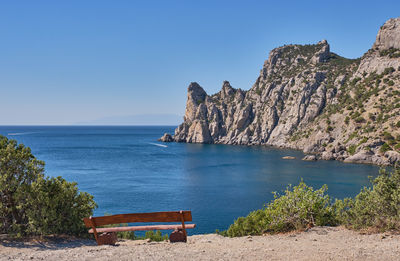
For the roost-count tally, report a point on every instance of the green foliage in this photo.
(352, 149)
(364, 140)
(385, 147)
(298, 208)
(31, 203)
(391, 52)
(157, 236)
(18, 170)
(153, 236)
(387, 136)
(359, 119)
(377, 207)
(58, 207)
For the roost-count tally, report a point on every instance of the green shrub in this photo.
(364, 140)
(387, 136)
(298, 208)
(31, 203)
(385, 147)
(377, 207)
(57, 207)
(352, 149)
(157, 236)
(359, 119)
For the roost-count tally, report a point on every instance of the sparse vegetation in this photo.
(352, 149)
(391, 52)
(385, 147)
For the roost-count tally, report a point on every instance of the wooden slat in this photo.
(169, 216)
(142, 228)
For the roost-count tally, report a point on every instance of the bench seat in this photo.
(142, 228)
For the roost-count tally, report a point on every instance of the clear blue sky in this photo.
(64, 62)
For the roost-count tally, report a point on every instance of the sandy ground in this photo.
(319, 243)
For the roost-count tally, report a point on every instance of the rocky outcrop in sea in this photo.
(309, 98)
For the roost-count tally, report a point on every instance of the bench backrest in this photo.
(168, 216)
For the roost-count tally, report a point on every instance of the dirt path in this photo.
(320, 243)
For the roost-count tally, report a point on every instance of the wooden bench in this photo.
(96, 223)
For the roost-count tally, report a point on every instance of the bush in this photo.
(352, 149)
(385, 147)
(30, 203)
(377, 207)
(157, 236)
(359, 119)
(299, 208)
(58, 207)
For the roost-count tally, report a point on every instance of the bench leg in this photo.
(107, 239)
(177, 236)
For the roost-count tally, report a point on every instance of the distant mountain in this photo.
(139, 119)
(309, 98)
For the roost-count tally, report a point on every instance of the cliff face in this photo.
(309, 98)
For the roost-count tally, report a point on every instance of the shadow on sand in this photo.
(46, 243)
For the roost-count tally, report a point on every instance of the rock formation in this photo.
(309, 98)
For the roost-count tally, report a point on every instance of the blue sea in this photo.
(128, 170)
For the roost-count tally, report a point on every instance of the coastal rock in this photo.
(367, 157)
(166, 138)
(361, 157)
(392, 156)
(307, 98)
(310, 158)
(327, 155)
(288, 157)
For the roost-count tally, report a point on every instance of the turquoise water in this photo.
(127, 170)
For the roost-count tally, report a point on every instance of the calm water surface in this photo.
(127, 170)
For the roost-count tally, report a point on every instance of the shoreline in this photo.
(357, 158)
(318, 243)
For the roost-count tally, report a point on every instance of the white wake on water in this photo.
(20, 133)
(159, 145)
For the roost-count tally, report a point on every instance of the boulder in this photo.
(166, 138)
(310, 158)
(392, 156)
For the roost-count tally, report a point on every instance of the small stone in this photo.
(289, 157)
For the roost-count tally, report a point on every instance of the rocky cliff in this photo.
(311, 99)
